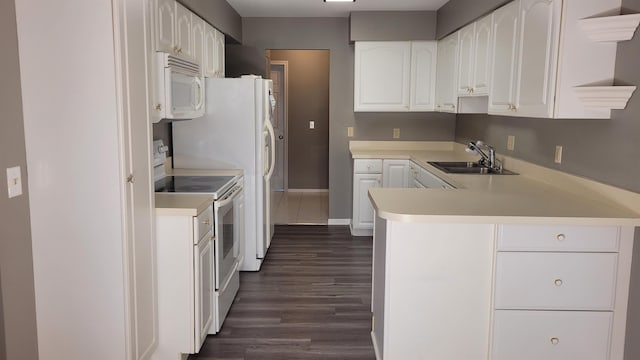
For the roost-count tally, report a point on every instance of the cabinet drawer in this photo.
(555, 281)
(551, 335)
(202, 224)
(367, 166)
(558, 238)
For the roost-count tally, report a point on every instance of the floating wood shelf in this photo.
(611, 28)
(606, 97)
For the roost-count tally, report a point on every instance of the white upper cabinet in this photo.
(423, 75)
(219, 54)
(465, 61)
(382, 76)
(447, 74)
(482, 56)
(213, 63)
(505, 47)
(165, 19)
(183, 37)
(198, 32)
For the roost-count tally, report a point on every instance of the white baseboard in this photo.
(339, 221)
(361, 232)
(308, 190)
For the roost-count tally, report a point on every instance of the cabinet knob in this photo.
(557, 282)
(207, 222)
(131, 179)
(561, 237)
(158, 107)
(554, 340)
(368, 167)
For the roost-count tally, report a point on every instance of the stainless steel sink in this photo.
(468, 167)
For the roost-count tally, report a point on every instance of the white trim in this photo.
(309, 190)
(376, 349)
(285, 90)
(339, 222)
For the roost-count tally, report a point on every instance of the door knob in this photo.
(280, 137)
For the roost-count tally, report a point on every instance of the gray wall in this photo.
(308, 88)
(457, 13)
(333, 34)
(17, 306)
(219, 14)
(393, 25)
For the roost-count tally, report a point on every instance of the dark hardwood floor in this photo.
(310, 300)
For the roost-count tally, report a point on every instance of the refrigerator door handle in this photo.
(272, 136)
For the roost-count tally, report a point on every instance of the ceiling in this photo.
(318, 8)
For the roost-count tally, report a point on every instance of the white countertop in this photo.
(488, 198)
(168, 204)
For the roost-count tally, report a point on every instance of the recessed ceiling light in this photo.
(339, 0)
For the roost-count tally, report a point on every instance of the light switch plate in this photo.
(396, 133)
(511, 142)
(558, 157)
(14, 181)
(312, 124)
(350, 131)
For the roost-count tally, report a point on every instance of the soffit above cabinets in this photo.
(318, 8)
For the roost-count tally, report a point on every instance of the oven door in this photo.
(226, 248)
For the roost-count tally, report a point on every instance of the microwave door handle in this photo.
(200, 93)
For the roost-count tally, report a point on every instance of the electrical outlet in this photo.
(350, 131)
(511, 142)
(14, 181)
(396, 133)
(558, 157)
(312, 124)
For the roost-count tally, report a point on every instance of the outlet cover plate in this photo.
(558, 157)
(14, 181)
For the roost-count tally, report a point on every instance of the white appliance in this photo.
(180, 92)
(236, 132)
(228, 228)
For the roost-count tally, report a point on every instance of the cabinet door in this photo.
(446, 74)
(395, 173)
(382, 76)
(219, 54)
(465, 60)
(482, 56)
(539, 35)
(184, 42)
(423, 75)
(551, 335)
(504, 52)
(362, 209)
(198, 31)
(203, 256)
(165, 19)
(209, 63)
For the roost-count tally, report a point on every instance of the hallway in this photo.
(301, 208)
(311, 300)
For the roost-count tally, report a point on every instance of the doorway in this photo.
(301, 124)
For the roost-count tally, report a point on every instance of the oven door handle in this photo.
(229, 198)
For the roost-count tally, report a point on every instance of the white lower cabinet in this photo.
(560, 292)
(185, 282)
(395, 173)
(551, 335)
(367, 173)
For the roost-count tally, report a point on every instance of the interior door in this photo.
(279, 181)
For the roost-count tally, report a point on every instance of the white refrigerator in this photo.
(236, 132)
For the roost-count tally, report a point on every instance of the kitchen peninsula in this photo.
(529, 266)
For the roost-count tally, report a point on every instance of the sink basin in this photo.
(468, 167)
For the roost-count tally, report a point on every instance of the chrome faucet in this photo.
(486, 160)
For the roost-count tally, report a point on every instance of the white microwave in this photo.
(180, 92)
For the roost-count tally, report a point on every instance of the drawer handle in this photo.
(561, 237)
(554, 340)
(558, 282)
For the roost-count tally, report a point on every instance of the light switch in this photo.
(14, 181)
(396, 133)
(558, 157)
(312, 124)
(511, 142)
(350, 131)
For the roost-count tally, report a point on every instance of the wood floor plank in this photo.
(311, 300)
